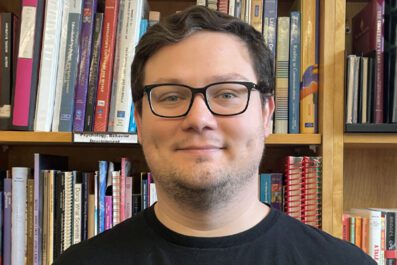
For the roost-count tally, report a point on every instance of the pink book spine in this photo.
(108, 212)
(122, 190)
(22, 95)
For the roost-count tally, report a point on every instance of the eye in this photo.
(226, 95)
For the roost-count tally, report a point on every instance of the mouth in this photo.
(206, 149)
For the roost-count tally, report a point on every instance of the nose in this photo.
(199, 117)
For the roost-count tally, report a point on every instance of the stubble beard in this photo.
(211, 188)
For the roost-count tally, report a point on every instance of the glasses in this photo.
(223, 98)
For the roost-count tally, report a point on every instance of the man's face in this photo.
(201, 155)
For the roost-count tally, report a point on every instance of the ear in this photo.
(268, 111)
(138, 120)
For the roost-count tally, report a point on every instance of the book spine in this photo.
(71, 66)
(77, 213)
(375, 231)
(128, 197)
(352, 229)
(231, 8)
(132, 124)
(48, 65)
(365, 235)
(91, 214)
(61, 67)
(130, 33)
(68, 211)
(281, 100)
(58, 213)
(93, 74)
(293, 187)
(87, 29)
(312, 171)
(358, 233)
(106, 66)
(309, 68)
(116, 196)
(136, 195)
(270, 25)
(7, 221)
(24, 97)
(29, 221)
(294, 74)
(379, 68)
(122, 196)
(277, 190)
(103, 165)
(18, 231)
(6, 28)
(42, 244)
(108, 212)
(265, 188)
(256, 14)
(390, 239)
(355, 89)
(153, 193)
(346, 227)
(84, 206)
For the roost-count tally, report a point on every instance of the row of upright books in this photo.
(371, 75)
(293, 41)
(297, 191)
(374, 231)
(66, 65)
(46, 212)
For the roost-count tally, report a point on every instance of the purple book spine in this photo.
(89, 10)
(108, 212)
(7, 221)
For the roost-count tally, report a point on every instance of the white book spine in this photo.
(231, 7)
(282, 67)
(128, 197)
(153, 194)
(129, 34)
(116, 196)
(200, 2)
(48, 65)
(375, 232)
(18, 231)
(77, 213)
(350, 84)
(61, 67)
(68, 208)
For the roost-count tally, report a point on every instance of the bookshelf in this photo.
(351, 175)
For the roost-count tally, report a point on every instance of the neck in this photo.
(241, 213)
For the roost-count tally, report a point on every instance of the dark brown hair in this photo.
(177, 27)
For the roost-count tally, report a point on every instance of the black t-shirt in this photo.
(277, 239)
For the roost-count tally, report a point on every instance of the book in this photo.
(102, 178)
(309, 66)
(18, 206)
(293, 187)
(116, 194)
(7, 221)
(48, 65)
(277, 190)
(128, 197)
(281, 90)
(68, 217)
(265, 190)
(29, 220)
(129, 33)
(367, 31)
(42, 162)
(257, 14)
(312, 200)
(87, 29)
(77, 207)
(363, 92)
(6, 68)
(24, 94)
(294, 73)
(106, 66)
(124, 172)
(93, 74)
(72, 57)
(57, 224)
(270, 25)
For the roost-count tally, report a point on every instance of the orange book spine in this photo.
(358, 231)
(106, 66)
(365, 235)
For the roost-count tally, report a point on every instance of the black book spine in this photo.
(84, 207)
(5, 69)
(59, 212)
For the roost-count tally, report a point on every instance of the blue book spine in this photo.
(270, 24)
(87, 29)
(265, 188)
(143, 27)
(103, 169)
(294, 73)
(70, 70)
(132, 125)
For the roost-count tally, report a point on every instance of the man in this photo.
(202, 84)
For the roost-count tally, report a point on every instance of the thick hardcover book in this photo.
(106, 66)
(87, 29)
(368, 29)
(48, 65)
(6, 66)
(18, 231)
(294, 73)
(129, 33)
(281, 99)
(71, 66)
(42, 162)
(309, 67)
(24, 94)
(270, 25)
(7, 221)
(93, 74)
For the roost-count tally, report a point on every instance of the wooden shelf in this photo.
(385, 139)
(15, 137)
(294, 139)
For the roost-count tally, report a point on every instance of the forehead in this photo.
(201, 58)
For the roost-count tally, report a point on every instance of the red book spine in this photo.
(106, 65)
(293, 187)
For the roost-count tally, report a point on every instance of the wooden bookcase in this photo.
(359, 170)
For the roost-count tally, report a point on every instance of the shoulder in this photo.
(317, 245)
(112, 244)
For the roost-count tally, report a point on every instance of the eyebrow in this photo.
(212, 79)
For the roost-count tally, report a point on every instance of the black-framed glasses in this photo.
(170, 100)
